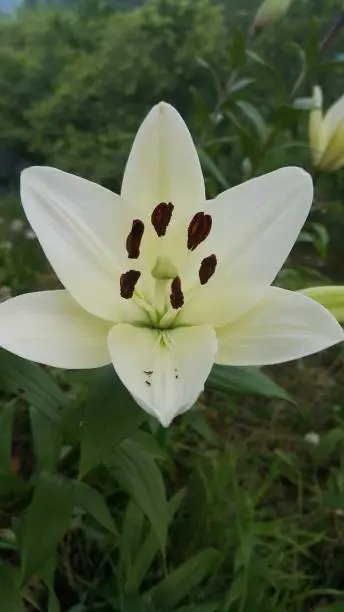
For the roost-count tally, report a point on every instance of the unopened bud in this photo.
(330, 297)
(268, 13)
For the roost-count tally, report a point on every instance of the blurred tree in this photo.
(75, 83)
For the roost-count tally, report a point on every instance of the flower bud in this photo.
(326, 133)
(332, 297)
(268, 13)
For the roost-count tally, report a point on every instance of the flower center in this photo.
(168, 297)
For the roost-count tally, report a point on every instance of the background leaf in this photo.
(92, 502)
(6, 425)
(140, 476)
(181, 581)
(46, 522)
(10, 599)
(245, 381)
(47, 440)
(110, 415)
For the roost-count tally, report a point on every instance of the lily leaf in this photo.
(110, 416)
(245, 381)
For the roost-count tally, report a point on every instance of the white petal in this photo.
(256, 224)
(164, 373)
(163, 165)
(334, 152)
(254, 227)
(286, 325)
(333, 117)
(51, 328)
(82, 228)
(215, 306)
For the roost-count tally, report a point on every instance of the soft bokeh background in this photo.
(255, 484)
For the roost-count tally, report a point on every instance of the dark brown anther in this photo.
(161, 217)
(128, 281)
(176, 297)
(134, 239)
(207, 269)
(198, 230)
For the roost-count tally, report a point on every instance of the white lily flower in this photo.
(160, 282)
(326, 133)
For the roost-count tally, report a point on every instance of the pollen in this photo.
(161, 217)
(207, 268)
(198, 230)
(177, 296)
(134, 238)
(128, 282)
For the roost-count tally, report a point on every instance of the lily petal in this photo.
(334, 153)
(216, 306)
(254, 227)
(51, 328)
(82, 228)
(286, 325)
(256, 224)
(333, 117)
(166, 372)
(163, 165)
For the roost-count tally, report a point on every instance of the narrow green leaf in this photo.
(245, 381)
(255, 118)
(10, 599)
(111, 415)
(212, 169)
(46, 522)
(177, 585)
(214, 606)
(6, 425)
(239, 85)
(149, 444)
(130, 537)
(335, 607)
(20, 376)
(47, 440)
(92, 502)
(53, 603)
(237, 48)
(140, 476)
(149, 549)
(47, 574)
(136, 604)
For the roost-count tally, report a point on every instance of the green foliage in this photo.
(45, 523)
(110, 416)
(9, 593)
(75, 85)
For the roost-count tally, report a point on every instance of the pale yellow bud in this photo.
(270, 12)
(331, 297)
(326, 133)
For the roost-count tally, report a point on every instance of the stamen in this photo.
(207, 269)
(128, 281)
(198, 230)
(161, 217)
(134, 239)
(176, 297)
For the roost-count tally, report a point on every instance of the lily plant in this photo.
(161, 282)
(326, 133)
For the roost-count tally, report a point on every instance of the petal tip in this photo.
(303, 179)
(33, 173)
(165, 109)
